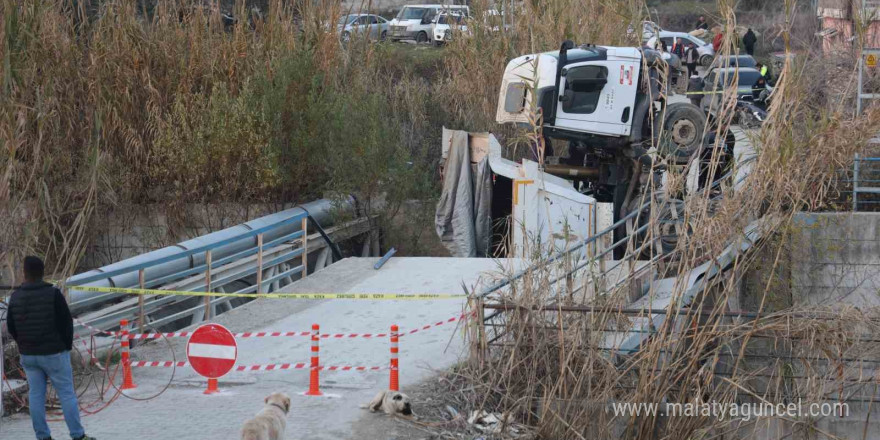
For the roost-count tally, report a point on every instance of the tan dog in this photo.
(268, 424)
(391, 402)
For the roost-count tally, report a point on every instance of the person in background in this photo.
(40, 323)
(691, 58)
(702, 24)
(765, 72)
(716, 42)
(678, 48)
(759, 87)
(749, 40)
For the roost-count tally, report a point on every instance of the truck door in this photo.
(598, 97)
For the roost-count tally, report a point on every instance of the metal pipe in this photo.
(572, 171)
(320, 211)
(384, 259)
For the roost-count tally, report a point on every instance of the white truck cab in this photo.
(414, 22)
(597, 89)
(608, 104)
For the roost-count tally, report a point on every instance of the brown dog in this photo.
(268, 424)
(391, 402)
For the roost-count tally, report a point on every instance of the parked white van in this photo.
(414, 22)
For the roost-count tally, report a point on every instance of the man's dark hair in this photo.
(33, 268)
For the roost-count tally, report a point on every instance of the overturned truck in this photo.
(608, 109)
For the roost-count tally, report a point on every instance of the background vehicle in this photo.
(374, 26)
(443, 24)
(734, 61)
(414, 22)
(704, 49)
(718, 80)
(608, 104)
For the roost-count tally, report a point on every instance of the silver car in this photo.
(373, 26)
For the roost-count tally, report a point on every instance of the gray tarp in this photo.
(464, 212)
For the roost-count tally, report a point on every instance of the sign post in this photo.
(212, 352)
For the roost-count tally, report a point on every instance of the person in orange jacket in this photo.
(716, 42)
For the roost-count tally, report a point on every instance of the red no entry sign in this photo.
(212, 351)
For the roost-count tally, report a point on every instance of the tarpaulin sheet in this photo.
(464, 219)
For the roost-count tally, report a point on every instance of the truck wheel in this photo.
(670, 225)
(706, 61)
(682, 134)
(383, 36)
(421, 37)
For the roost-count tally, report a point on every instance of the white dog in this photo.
(269, 423)
(391, 402)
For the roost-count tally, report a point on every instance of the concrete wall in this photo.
(835, 258)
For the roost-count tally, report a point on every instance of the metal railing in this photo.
(866, 183)
(595, 257)
(277, 254)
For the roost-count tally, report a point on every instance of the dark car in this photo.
(719, 80)
(734, 61)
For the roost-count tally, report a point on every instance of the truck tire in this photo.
(670, 225)
(682, 134)
(421, 37)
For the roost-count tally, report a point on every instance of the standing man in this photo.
(41, 325)
(749, 40)
(701, 23)
(691, 58)
(678, 48)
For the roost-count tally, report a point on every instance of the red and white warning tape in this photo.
(267, 367)
(436, 324)
(92, 358)
(237, 335)
(164, 364)
(95, 330)
(289, 334)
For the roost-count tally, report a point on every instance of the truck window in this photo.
(583, 86)
(515, 99)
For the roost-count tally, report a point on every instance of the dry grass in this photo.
(558, 371)
(111, 103)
